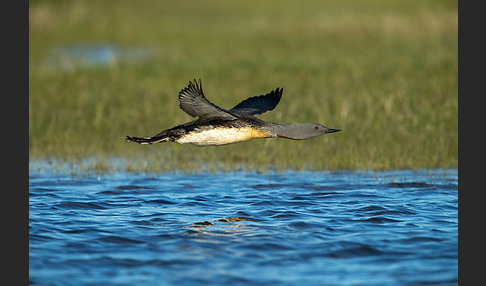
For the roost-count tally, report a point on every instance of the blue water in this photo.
(244, 228)
(80, 55)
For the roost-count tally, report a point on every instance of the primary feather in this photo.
(259, 104)
(194, 103)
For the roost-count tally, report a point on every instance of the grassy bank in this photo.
(385, 72)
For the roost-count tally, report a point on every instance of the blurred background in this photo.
(385, 72)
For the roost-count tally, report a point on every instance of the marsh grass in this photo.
(385, 72)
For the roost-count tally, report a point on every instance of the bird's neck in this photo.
(288, 130)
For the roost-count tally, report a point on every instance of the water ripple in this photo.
(293, 228)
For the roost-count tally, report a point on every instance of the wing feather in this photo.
(193, 102)
(259, 104)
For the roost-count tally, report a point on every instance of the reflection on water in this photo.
(244, 228)
(74, 56)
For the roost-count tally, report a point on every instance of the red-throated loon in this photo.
(218, 126)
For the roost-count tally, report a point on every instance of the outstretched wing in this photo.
(194, 103)
(259, 104)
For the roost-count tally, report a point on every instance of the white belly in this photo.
(220, 136)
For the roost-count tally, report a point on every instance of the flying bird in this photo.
(218, 126)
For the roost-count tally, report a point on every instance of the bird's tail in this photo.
(147, 140)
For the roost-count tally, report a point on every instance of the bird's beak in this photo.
(333, 130)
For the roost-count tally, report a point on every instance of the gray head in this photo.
(300, 131)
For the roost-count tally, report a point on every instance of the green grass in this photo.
(385, 72)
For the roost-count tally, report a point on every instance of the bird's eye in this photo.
(317, 127)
